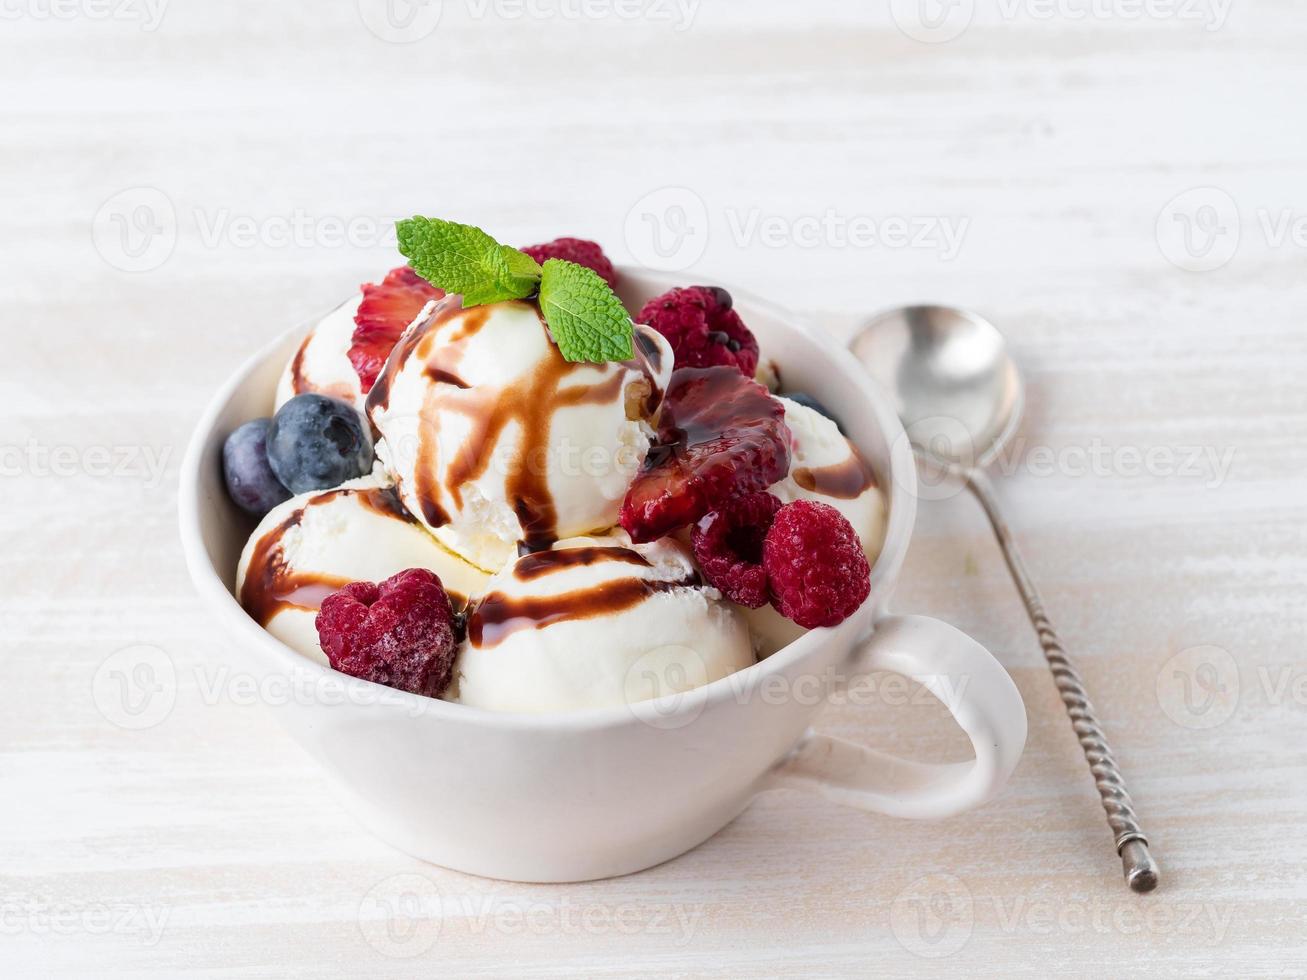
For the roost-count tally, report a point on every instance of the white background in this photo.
(1124, 182)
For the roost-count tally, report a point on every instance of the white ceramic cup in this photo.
(592, 794)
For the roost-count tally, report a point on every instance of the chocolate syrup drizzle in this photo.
(497, 616)
(299, 383)
(271, 585)
(846, 480)
(533, 566)
(531, 402)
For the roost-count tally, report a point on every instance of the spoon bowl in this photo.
(955, 387)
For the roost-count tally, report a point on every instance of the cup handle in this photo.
(975, 689)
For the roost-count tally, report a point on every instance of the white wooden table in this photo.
(175, 190)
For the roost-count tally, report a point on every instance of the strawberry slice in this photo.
(720, 435)
(387, 308)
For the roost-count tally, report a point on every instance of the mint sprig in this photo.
(464, 259)
(586, 319)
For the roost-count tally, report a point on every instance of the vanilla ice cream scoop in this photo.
(825, 467)
(312, 545)
(494, 439)
(321, 363)
(596, 622)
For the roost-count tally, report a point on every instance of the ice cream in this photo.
(596, 622)
(494, 439)
(321, 362)
(825, 467)
(311, 545)
(519, 457)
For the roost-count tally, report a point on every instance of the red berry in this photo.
(577, 250)
(400, 633)
(720, 435)
(817, 570)
(728, 545)
(703, 328)
(386, 309)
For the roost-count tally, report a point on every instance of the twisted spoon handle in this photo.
(1140, 869)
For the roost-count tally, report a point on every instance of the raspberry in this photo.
(400, 633)
(817, 570)
(703, 328)
(719, 435)
(577, 250)
(728, 545)
(385, 310)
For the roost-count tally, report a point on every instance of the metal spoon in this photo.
(960, 398)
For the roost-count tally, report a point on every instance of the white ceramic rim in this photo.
(899, 484)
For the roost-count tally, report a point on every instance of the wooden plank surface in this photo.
(1048, 168)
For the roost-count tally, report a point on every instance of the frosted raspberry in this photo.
(577, 250)
(728, 546)
(703, 328)
(400, 633)
(816, 568)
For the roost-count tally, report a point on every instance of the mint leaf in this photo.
(588, 321)
(518, 273)
(464, 259)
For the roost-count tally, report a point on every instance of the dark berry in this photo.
(400, 633)
(724, 299)
(250, 480)
(728, 546)
(577, 250)
(316, 443)
(806, 400)
(816, 568)
(720, 434)
(703, 328)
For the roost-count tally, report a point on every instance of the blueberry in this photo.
(317, 442)
(808, 401)
(250, 480)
